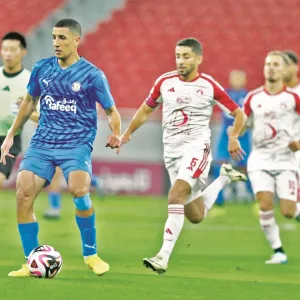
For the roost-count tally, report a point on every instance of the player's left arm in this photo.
(229, 106)
(27, 107)
(238, 127)
(295, 144)
(114, 122)
(102, 95)
(24, 113)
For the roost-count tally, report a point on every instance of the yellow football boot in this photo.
(23, 272)
(96, 264)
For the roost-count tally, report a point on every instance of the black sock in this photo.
(280, 249)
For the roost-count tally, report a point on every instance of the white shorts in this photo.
(284, 183)
(193, 168)
(297, 154)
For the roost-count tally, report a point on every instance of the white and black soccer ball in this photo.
(44, 262)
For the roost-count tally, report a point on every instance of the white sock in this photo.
(270, 228)
(173, 228)
(210, 194)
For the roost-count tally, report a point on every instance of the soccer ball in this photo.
(44, 262)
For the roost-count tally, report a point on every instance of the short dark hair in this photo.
(193, 43)
(292, 56)
(71, 24)
(13, 35)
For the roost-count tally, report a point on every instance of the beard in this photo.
(185, 72)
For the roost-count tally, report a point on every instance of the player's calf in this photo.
(173, 226)
(195, 211)
(288, 208)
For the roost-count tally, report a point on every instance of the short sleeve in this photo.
(297, 104)
(247, 105)
(100, 91)
(154, 96)
(33, 86)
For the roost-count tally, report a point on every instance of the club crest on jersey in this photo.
(76, 86)
(199, 93)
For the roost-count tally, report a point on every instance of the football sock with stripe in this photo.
(172, 229)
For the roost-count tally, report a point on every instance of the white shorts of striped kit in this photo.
(283, 182)
(193, 167)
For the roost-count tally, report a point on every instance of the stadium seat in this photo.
(136, 45)
(22, 16)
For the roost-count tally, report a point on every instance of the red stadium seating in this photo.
(137, 44)
(22, 16)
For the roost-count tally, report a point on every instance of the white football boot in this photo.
(277, 259)
(52, 213)
(234, 175)
(156, 263)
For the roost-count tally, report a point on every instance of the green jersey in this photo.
(13, 87)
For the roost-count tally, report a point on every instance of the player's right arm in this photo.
(25, 111)
(248, 112)
(100, 92)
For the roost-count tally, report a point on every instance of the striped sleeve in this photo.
(247, 106)
(154, 95)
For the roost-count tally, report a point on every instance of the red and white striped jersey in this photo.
(187, 109)
(296, 90)
(273, 118)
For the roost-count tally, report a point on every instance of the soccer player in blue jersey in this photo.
(68, 87)
(237, 92)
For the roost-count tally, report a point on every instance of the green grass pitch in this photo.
(220, 259)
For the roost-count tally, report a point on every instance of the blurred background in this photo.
(133, 41)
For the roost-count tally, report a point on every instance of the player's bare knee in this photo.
(177, 196)
(78, 191)
(25, 197)
(265, 205)
(179, 192)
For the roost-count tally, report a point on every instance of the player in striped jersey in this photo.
(293, 83)
(68, 87)
(188, 98)
(272, 166)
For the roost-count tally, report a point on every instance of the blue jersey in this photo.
(238, 97)
(245, 140)
(68, 116)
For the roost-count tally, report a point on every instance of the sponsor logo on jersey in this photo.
(183, 100)
(64, 105)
